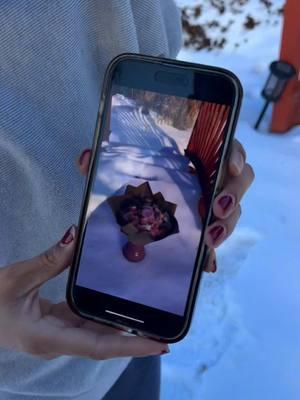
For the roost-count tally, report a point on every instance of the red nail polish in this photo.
(68, 237)
(225, 202)
(164, 352)
(216, 232)
(83, 154)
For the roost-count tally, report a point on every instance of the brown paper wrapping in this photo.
(142, 191)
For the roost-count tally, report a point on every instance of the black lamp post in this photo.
(280, 73)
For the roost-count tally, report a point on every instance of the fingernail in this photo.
(83, 155)
(216, 233)
(68, 237)
(165, 351)
(226, 202)
(238, 162)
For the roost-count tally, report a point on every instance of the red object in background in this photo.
(286, 113)
(133, 252)
(202, 208)
(204, 147)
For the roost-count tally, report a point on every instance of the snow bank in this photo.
(245, 338)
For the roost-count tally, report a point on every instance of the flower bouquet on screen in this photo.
(144, 217)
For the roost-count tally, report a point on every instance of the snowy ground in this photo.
(232, 24)
(163, 278)
(245, 339)
(140, 150)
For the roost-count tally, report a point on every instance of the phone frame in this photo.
(202, 252)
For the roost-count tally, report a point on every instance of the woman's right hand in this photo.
(36, 326)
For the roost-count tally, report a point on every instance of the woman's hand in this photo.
(36, 326)
(226, 207)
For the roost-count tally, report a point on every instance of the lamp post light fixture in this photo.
(280, 73)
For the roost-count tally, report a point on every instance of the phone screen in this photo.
(157, 164)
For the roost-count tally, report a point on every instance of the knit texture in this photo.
(53, 55)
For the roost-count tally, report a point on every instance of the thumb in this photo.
(30, 274)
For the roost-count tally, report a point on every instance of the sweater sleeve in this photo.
(158, 26)
(172, 20)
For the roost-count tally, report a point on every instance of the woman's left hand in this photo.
(226, 206)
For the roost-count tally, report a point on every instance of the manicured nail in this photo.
(68, 237)
(165, 351)
(226, 202)
(216, 233)
(238, 162)
(83, 155)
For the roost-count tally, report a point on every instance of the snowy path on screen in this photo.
(140, 150)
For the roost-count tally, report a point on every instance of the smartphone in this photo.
(161, 141)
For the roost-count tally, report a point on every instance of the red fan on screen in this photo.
(144, 217)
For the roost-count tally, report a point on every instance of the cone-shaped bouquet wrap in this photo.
(144, 217)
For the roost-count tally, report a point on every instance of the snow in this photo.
(244, 342)
(136, 137)
(230, 24)
(139, 150)
(166, 268)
